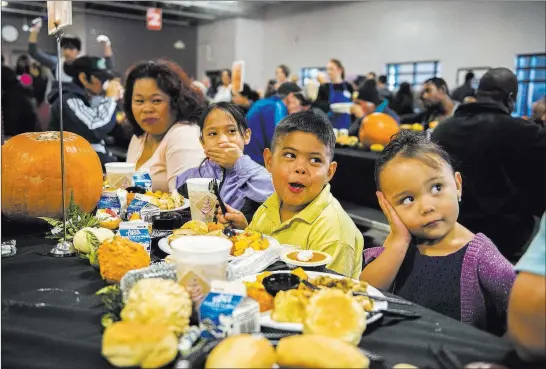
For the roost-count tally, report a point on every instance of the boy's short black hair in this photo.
(382, 79)
(71, 42)
(307, 122)
(411, 144)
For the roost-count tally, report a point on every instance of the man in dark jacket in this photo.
(91, 122)
(466, 90)
(265, 114)
(502, 160)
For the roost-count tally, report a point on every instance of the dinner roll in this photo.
(335, 314)
(126, 344)
(242, 351)
(312, 351)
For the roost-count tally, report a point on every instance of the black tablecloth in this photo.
(69, 335)
(354, 178)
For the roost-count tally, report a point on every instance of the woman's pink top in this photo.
(179, 150)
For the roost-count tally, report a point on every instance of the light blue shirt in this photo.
(534, 259)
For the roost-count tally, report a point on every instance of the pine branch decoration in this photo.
(76, 219)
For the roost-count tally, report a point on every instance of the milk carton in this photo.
(229, 312)
(137, 231)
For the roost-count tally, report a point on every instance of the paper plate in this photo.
(265, 317)
(184, 206)
(163, 244)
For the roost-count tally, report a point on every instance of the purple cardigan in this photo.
(247, 179)
(486, 280)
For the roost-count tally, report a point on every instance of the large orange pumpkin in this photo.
(377, 128)
(31, 175)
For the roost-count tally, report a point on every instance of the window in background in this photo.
(531, 72)
(415, 73)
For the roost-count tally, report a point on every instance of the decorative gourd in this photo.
(119, 255)
(31, 175)
(377, 128)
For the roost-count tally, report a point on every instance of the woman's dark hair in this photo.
(403, 101)
(285, 70)
(340, 66)
(368, 92)
(230, 109)
(411, 144)
(23, 65)
(186, 101)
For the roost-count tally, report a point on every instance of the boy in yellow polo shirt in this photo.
(302, 211)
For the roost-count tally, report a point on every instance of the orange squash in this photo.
(31, 175)
(377, 128)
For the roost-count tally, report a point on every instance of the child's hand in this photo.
(400, 236)
(234, 216)
(225, 155)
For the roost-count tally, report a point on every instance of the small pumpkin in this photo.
(377, 128)
(31, 175)
(119, 255)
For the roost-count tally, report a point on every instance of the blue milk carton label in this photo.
(143, 179)
(142, 206)
(224, 314)
(136, 231)
(216, 314)
(110, 200)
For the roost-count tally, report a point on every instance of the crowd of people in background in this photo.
(177, 128)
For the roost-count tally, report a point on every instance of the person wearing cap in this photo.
(367, 102)
(91, 122)
(264, 115)
(70, 47)
(502, 161)
(337, 91)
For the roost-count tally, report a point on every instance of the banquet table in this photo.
(354, 178)
(40, 332)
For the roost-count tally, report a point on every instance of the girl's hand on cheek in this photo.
(225, 155)
(400, 236)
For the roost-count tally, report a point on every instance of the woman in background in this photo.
(403, 101)
(163, 107)
(337, 91)
(224, 90)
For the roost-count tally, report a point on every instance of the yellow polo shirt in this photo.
(322, 226)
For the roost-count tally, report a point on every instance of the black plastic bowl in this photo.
(167, 221)
(136, 189)
(281, 282)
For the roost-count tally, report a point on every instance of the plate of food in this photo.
(165, 201)
(244, 243)
(342, 107)
(286, 310)
(185, 205)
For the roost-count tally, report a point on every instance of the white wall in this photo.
(249, 46)
(367, 35)
(215, 46)
(223, 42)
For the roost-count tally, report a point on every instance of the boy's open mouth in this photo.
(296, 187)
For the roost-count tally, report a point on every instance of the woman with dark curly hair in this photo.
(163, 107)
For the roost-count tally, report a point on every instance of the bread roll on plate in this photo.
(242, 351)
(335, 314)
(312, 351)
(128, 344)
